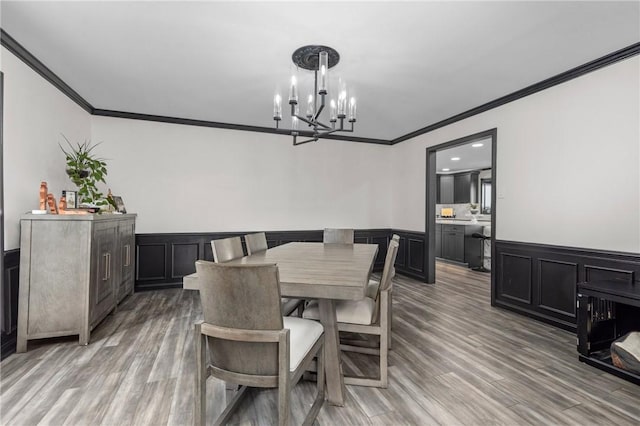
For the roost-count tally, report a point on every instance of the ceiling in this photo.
(410, 64)
(470, 157)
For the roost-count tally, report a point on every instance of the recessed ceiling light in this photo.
(445, 170)
(455, 158)
(477, 145)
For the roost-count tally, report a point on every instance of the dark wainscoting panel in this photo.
(9, 315)
(163, 259)
(557, 286)
(181, 255)
(411, 254)
(515, 277)
(540, 280)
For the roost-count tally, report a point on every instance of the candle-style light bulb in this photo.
(293, 93)
(310, 106)
(352, 110)
(294, 123)
(277, 107)
(334, 111)
(323, 69)
(342, 104)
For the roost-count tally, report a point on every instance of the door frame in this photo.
(2, 283)
(431, 193)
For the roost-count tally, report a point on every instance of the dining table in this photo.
(323, 271)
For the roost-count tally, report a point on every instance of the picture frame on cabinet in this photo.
(119, 204)
(72, 198)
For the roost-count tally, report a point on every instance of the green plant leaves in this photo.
(85, 171)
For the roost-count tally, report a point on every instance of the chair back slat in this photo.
(338, 236)
(256, 242)
(389, 270)
(388, 273)
(226, 249)
(245, 297)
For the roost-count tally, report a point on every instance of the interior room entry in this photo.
(460, 203)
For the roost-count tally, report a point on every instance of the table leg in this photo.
(333, 365)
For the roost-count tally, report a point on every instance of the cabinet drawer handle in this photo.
(127, 249)
(109, 265)
(105, 276)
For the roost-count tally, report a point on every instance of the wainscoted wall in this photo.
(9, 305)
(532, 279)
(163, 259)
(540, 280)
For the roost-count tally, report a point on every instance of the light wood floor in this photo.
(455, 360)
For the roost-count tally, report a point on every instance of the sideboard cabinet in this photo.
(74, 269)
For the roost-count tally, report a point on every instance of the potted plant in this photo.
(473, 208)
(85, 171)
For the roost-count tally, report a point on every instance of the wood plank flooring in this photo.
(455, 360)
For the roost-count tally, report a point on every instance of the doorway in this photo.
(440, 190)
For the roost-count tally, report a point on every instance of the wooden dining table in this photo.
(327, 272)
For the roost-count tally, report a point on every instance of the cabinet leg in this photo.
(21, 344)
(84, 337)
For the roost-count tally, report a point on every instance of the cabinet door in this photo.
(438, 240)
(126, 236)
(446, 189)
(462, 188)
(458, 246)
(447, 245)
(447, 249)
(103, 262)
(473, 251)
(452, 244)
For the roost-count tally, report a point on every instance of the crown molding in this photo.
(231, 126)
(583, 69)
(23, 54)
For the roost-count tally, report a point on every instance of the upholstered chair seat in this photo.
(303, 335)
(347, 311)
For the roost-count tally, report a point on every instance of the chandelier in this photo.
(317, 59)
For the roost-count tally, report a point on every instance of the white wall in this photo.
(568, 163)
(572, 148)
(195, 179)
(35, 114)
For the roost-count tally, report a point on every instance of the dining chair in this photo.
(374, 287)
(249, 343)
(226, 249)
(337, 236)
(256, 242)
(367, 316)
